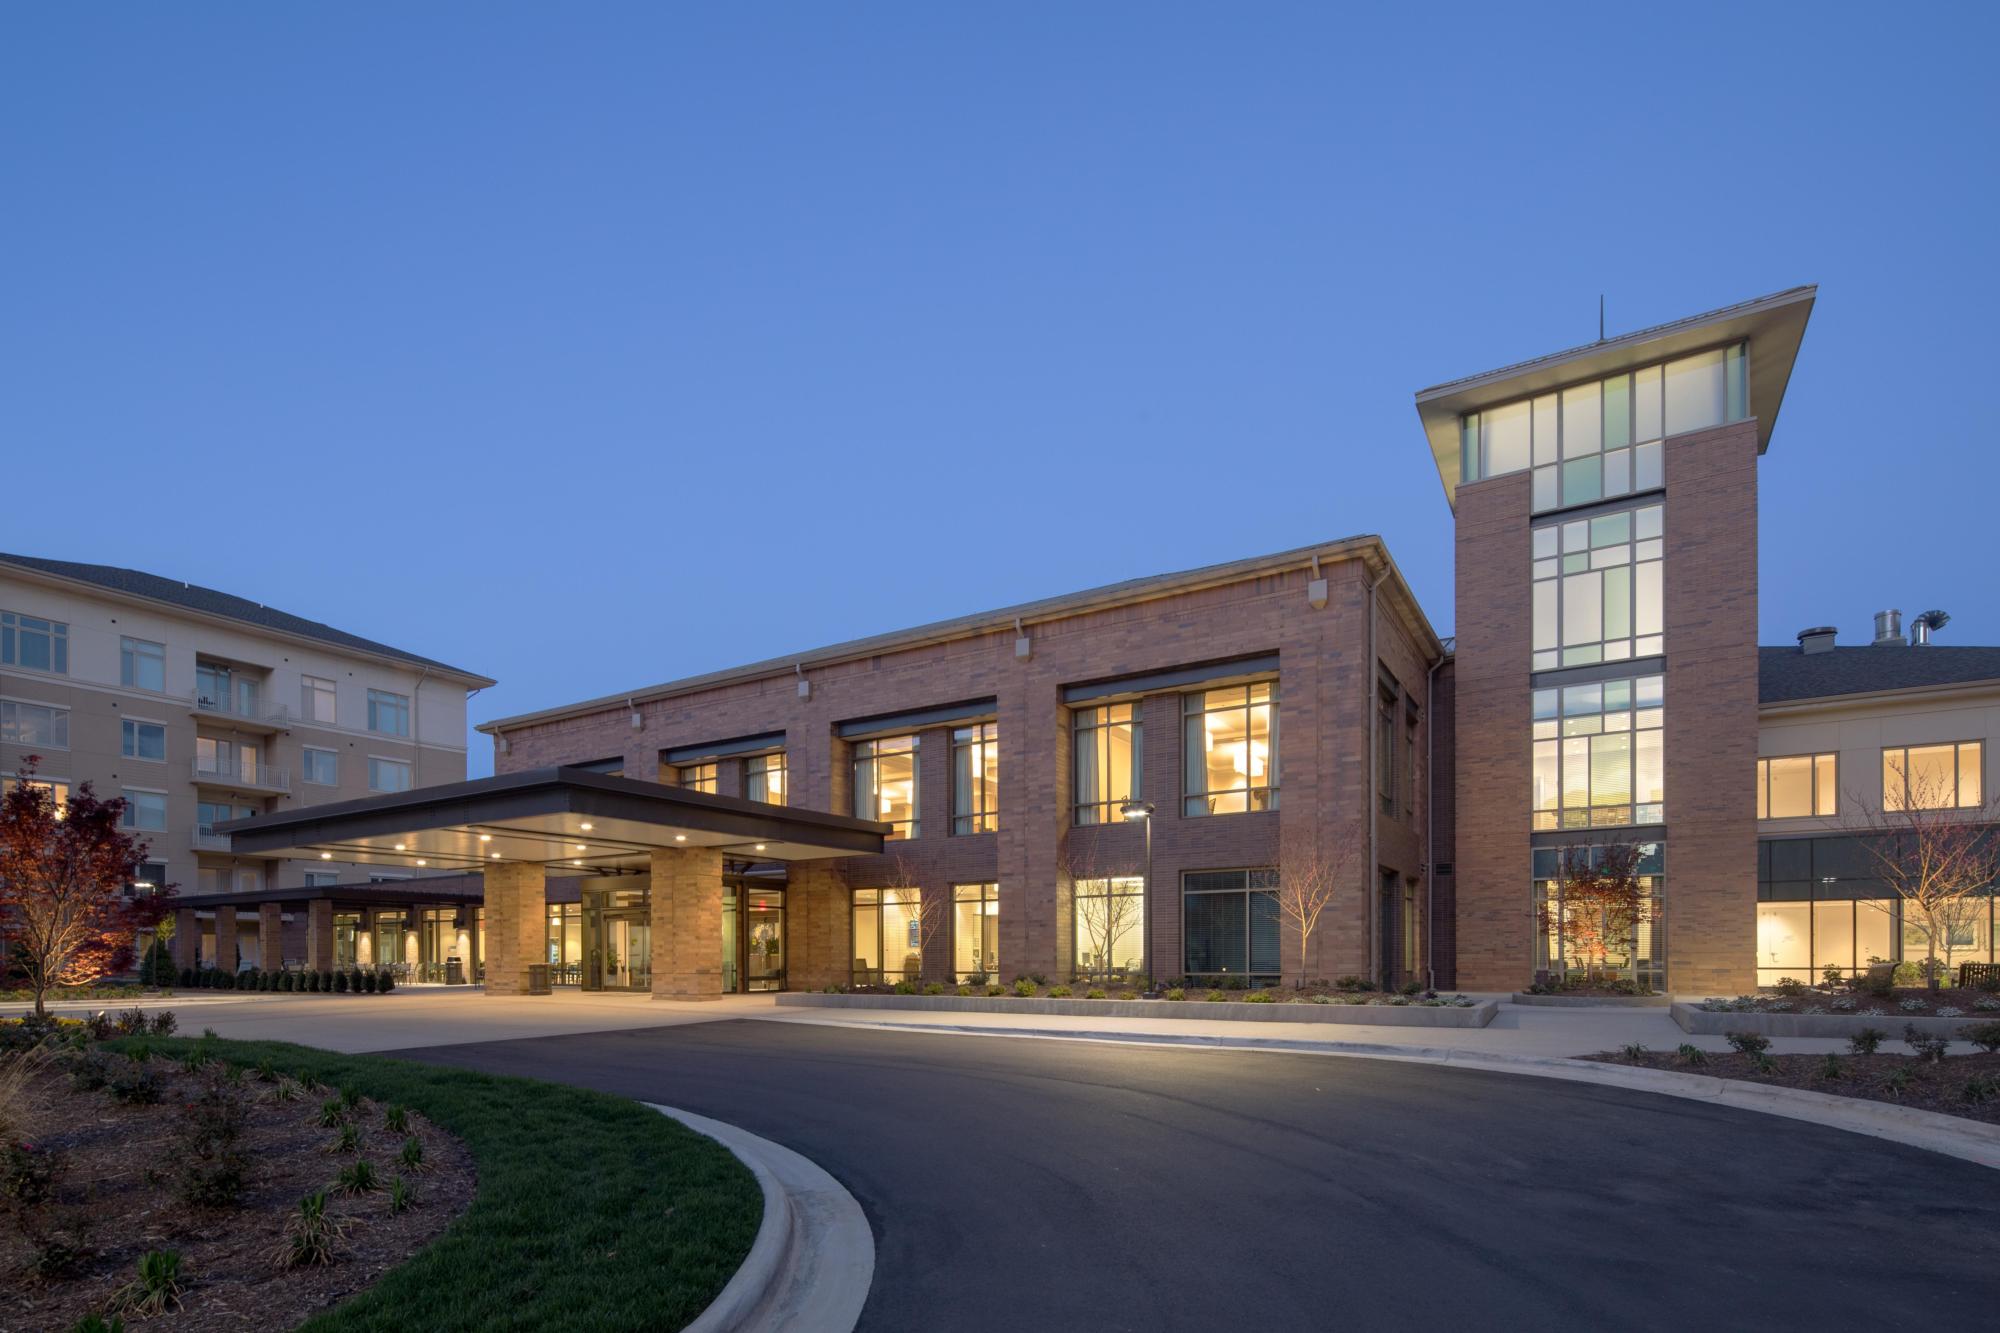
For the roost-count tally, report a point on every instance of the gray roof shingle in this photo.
(1787, 674)
(193, 597)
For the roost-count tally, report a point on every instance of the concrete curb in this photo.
(1711, 1023)
(813, 1260)
(1476, 1015)
(1968, 1140)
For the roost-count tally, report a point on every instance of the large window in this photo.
(1110, 926)
(1230, 922)
(1933, 777)
(34, 724)
(1598, 757)
(142, 740)
(207, 814)
(563, 939)
(1230, 749)
(34, 645)
(1569, 944)
(388, 775)
(1797, 785)
(389, 713)
(1109, 753)
(146, 810)
(975, 778)
(1601, 440)
(56, 787)
(321, 767)
(316, 701)
(885, 784)
(1597, 593)
(764, 778)
(696, 777)
(975, 930)
(888, 938)
(223, 689)
(1385, 745)
(142, 665)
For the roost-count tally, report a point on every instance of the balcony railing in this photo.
(204, 841)
(226, 706)
(256, 777)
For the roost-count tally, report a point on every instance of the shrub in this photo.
(1749, 1043)
(1865, 1041)
(933, 988)
(994, 989)
(1059, 992)
(157, 968)
(1831, 977)
(209, 1168)
(1981, 1088)
(1094, 993)
(1260, 997)
(1634, 1051)
(135, 1084)
(1927, 1048)
(311, 1237)
(93, 1323)
(156, 1290)
(1691, 1055)
(130, 1022)
(1216, 997)
(1024, 987)
(964, 990)
(1896, 1080)
(1830, 1068)
(326, 980)
(1039, 978)
(90, 1070)
(1791, 986)
(358, 1177)
(905, 987)
(1176, 993)
(164, 1023)
(370, 983)
(187, 978)
(1352, 984)
(402, 1195)
(1986, 1036)
(340, 983)
(1880, 985)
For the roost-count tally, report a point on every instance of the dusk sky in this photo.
(587, 346)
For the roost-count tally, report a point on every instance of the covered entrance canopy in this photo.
(515, 828)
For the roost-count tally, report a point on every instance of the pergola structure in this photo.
(516, 828)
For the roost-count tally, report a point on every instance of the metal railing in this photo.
(211, 842)
(242, 773)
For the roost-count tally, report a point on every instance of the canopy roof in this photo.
(562, 817)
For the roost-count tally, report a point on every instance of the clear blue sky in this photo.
(590, 345)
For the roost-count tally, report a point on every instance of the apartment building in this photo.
(199, 708)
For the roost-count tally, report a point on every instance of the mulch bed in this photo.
(1923, 1001)
(1961, 1085)
(118, 1160)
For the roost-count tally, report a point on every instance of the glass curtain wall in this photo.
(1597, 589)
(1642, 958)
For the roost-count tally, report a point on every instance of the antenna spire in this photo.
(1600, 317)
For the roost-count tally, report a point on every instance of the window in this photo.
(1601, 440)
(1385, 745)
(975, 930)
(321, 879)
(975, 778)
(1229, 922)
(54, 786)
(696, 777)
(1598, 757)
(1597, 595)
(1110, 926)
(34, 645)
(1230, 754)
(207, 814)
(388, 713)
(888, 935)
(1411, 717)
(231, 760)
(388, 774)
(1933, 777)
(224, 689)
(142, 665)
(149, 876)
(885, 783)
(143, 740)
(1563, 947)
(764, 778)
(346, 931)
(145, 810)
(316, 702)
(322, 767)
(1797, 786)
(1108, 750)
(34, 724)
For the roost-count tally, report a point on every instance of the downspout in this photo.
(1430, 825)
(417, 729)
(1374, 796)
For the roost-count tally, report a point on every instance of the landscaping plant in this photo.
(1936, 855)
(311, 1236)
(156, 1290)
(1866, 1041)
(358, 1177)
(1691, 1055)
(1986, 1036)
(1748, 1043)
(1927, 1048)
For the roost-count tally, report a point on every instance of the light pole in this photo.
(1143, 811)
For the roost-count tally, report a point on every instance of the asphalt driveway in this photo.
(1019, 1185)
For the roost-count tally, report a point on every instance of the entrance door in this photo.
(617, 940)
(753, 939)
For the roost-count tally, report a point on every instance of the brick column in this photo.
(225, 938)
(187, 938)
(270, 936)
(319, 935)
(516, 914)
(687, 924)
(819, 924)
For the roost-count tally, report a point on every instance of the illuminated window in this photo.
(1566, 942)
(888, 935)
(1933, 777)
(764, 778)
(38, 725)
(1230, 749)
(142, 665)
(696, 777)
(54, 786)
(1598, 757)
(1597, 593)
(1110, 936)
(975, 930)
(975, 778)
(885, 784)
(1797, 786)
(34, 645)
(1109, 754)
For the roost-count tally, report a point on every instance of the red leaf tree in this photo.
(63, 868)
(1604, 903)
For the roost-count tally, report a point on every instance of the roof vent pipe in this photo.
(1927, 624)
(1818, 639)
(1888, 629)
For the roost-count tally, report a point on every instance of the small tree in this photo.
(63, 869)
(1102, 919)
(1603, 903)
(1937, 857)
(926, 911)
(1314, 866)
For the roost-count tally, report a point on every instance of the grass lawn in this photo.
(592, 1212)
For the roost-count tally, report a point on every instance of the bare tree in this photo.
(1314, 867)
(1104, 916)
(926, 913)
(1937, 857)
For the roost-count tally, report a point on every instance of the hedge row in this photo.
(345, 981)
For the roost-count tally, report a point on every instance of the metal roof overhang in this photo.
(1774, 326)
(561, 817)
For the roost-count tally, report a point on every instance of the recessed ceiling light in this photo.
(760, 846)
(680, 837)
(401, 847)
(580, 847)
(422, 862)
(576, 863)
(326, 856)
(588, 827)
(496, 856)
(486, 837)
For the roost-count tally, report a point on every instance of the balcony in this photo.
(225, 711)
(206, 841)
(242, 775)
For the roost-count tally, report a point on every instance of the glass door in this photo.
(764, 941)
(617, 940)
